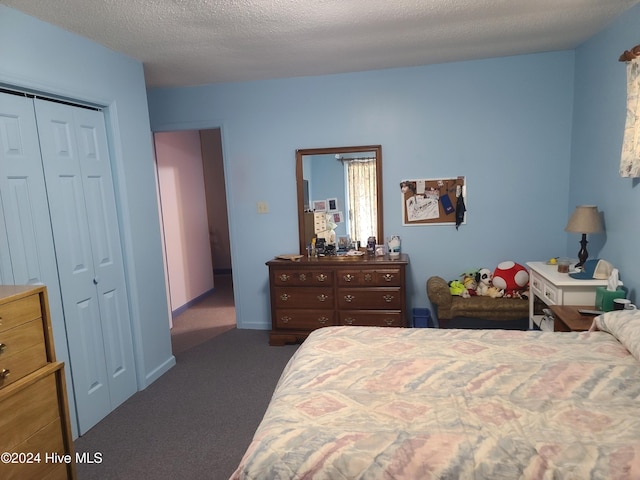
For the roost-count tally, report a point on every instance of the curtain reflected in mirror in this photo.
(339, 195)
(362, 219)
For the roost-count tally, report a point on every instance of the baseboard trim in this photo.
(157, 372)
(190, 303)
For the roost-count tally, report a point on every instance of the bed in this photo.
(394, 403)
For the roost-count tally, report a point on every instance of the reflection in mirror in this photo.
(339, 195)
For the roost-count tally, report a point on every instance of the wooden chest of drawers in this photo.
(34, 423)
(311, 293)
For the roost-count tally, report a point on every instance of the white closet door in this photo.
(87, 241)
(27, 254)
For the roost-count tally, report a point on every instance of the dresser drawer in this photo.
(300, 297)
(371, 318)
(19, 311)
(378, 277)
(304, 319)
(33, 405)
(370, 298)
(302, 277)
(47, 440)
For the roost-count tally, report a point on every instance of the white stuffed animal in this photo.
(483, 279)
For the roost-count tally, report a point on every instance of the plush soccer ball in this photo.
(510, 277)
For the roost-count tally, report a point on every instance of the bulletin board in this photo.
(434, 201)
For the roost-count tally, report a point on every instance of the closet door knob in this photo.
(96, 280)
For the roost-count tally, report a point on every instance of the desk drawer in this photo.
(545, 291)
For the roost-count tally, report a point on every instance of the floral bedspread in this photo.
(393, 403)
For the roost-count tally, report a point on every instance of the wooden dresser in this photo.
(311, 293)
(35, 431)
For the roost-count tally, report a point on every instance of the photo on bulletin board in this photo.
(434, 201)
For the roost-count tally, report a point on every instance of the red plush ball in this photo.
(510, 276)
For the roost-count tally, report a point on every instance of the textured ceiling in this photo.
(194, 42)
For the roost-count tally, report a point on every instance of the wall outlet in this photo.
(263, 207)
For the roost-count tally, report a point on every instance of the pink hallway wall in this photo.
(184, 215)
(216, 199)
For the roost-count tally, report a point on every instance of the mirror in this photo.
(344, 184)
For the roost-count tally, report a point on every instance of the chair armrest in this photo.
(439, 293)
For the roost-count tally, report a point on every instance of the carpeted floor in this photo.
(206, 319)
(197, 420)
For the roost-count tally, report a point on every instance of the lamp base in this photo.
(582, 254)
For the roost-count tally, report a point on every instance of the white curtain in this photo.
(630, 159)
(363, 200)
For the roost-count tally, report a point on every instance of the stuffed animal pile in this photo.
(509, 280)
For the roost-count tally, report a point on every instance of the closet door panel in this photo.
(95, 167)
(83, 212)
(27, 255)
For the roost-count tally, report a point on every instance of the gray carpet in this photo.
(194, 422)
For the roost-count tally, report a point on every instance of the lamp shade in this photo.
(585, 219)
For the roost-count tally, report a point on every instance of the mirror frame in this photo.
(332, 151)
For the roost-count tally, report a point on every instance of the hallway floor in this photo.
(208, 318)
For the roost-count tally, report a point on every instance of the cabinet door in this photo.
(83, 215)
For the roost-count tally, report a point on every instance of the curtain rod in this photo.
(629, 55)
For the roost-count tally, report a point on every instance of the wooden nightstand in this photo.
(568, 319)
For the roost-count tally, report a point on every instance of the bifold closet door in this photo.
(26, 244)
(82, 206)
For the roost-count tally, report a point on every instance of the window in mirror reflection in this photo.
(361, 194)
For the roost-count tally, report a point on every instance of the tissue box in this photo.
(604, 298)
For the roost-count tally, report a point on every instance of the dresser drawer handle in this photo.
(349, 298)
(388, 298)
(321, 278)
(322, 297)
(389, 321)
(285, 319)
(388, 277)
(349, 320)
(323, 320)
(284, 297)
(284, 277)
(3, 347)
(4, 373)
(348, 277)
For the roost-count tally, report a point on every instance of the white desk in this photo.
(554, 288)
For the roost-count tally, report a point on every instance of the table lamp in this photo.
(585, 219)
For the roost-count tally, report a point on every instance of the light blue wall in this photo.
(600, 110)
(503, 123)
(41, 57)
